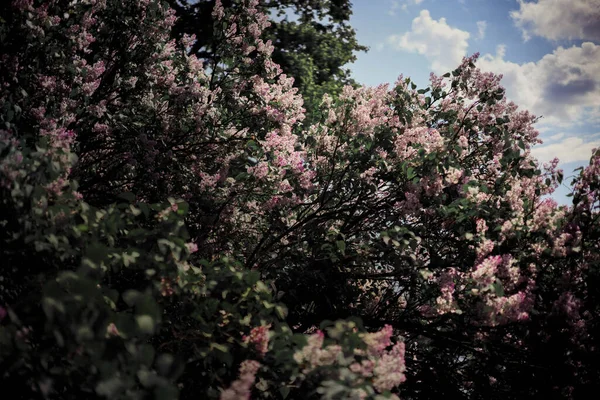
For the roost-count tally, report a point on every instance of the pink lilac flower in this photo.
(390, 368)
(259, 337)
(241, 388)
(378, 341)
(192, 247)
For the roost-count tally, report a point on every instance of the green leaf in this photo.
(285, 391)
(182, 208)
(145, 209)
(147, 378)
(252, 144)
(281, 311)
(498, 289)
(217, 346)
(109, 388)
(166, 392)
(83, 228)
(130, 297)
(145, 324)
(341, 245)
(251, 277)
(164, 364)
(130, 197)
(246, 320)
(146, 354)
(130, 258)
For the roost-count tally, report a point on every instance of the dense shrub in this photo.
(171, 229)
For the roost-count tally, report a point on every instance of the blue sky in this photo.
(547, 50)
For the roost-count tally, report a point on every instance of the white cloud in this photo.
(559, 19)
(571, 149)
(563, 86)
(556, 137)
(481, 27)
(441, 44)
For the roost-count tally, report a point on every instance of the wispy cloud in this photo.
(481, 27)
(394, 7)
(402, 5)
